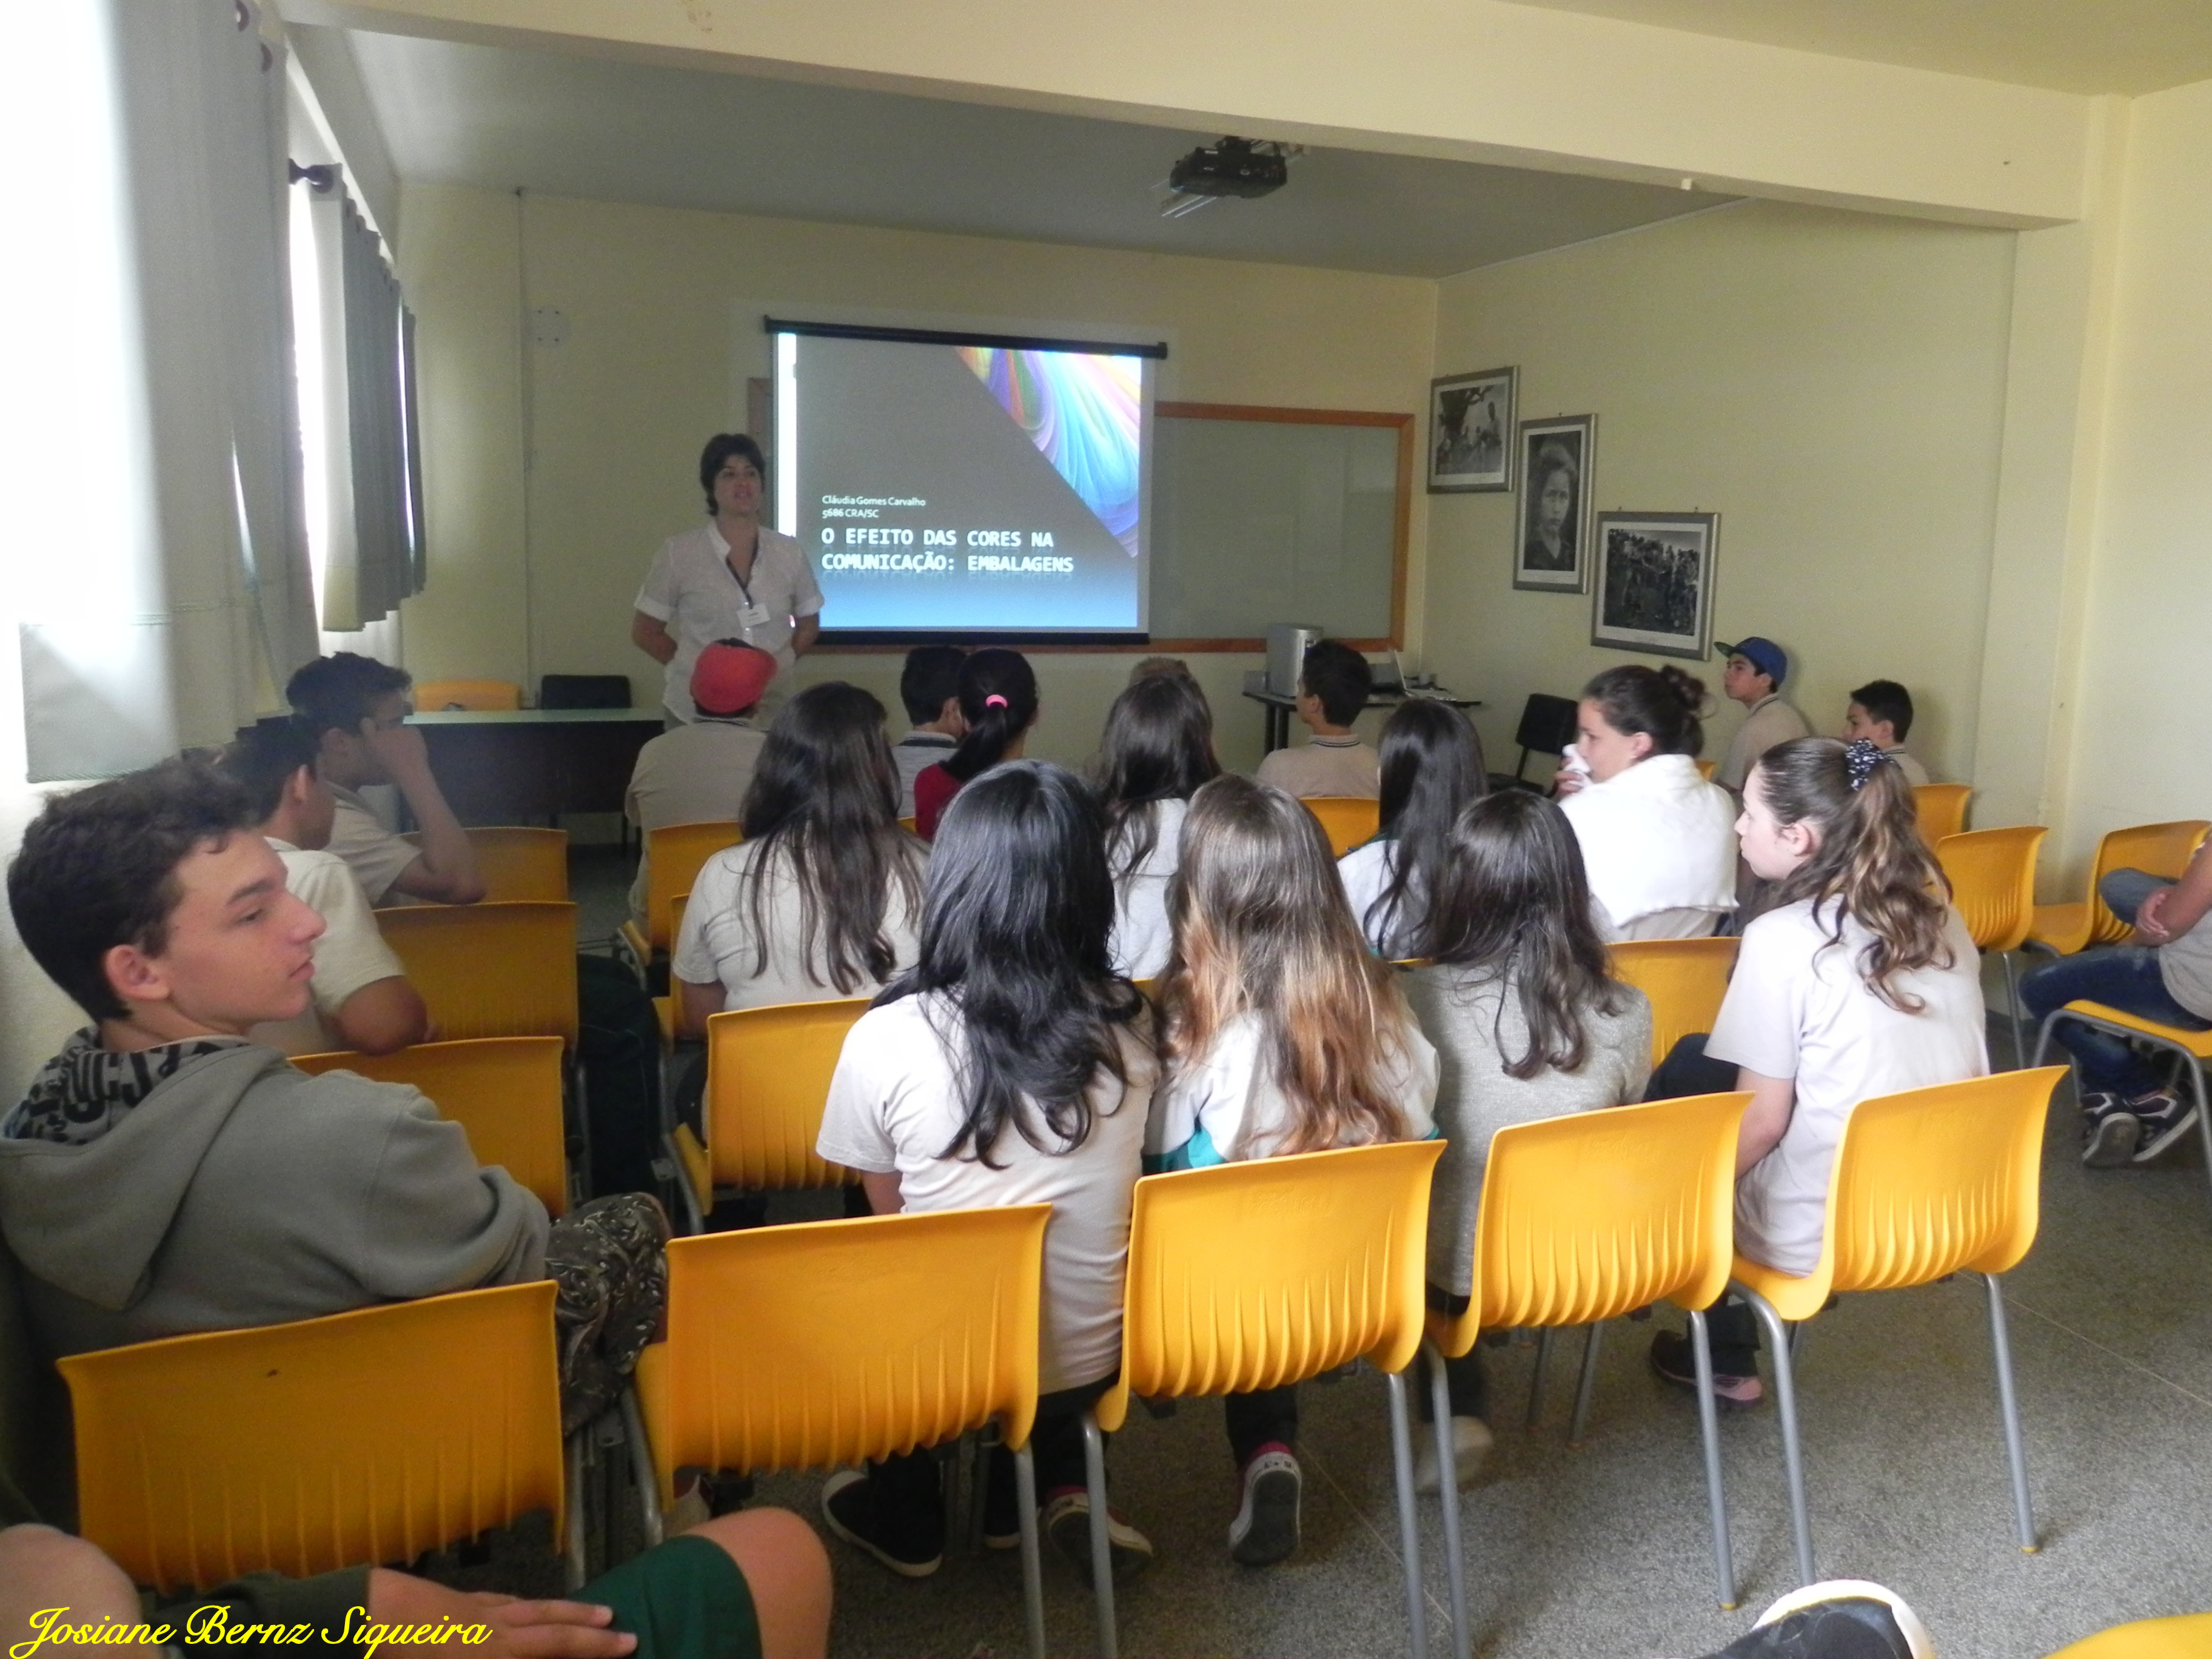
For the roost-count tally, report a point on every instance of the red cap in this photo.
(728, 679)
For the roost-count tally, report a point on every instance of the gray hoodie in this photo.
(213, 1185)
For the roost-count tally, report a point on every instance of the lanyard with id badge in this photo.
(752, 614)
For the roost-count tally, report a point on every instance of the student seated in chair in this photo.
(929, 687)
(166, 1174)
(359, 999)
(1333, 688)
(358, 709)
(698, 773)
(1881, 712)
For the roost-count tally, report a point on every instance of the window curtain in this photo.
(165, 594)
(370, 535)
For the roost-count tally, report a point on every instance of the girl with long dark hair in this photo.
(1158, 749)
(1010, 1065)
(1860, 980)
(1656, 836)
(1432, 766)
(1283, 1034)
(821, 898)
(1529, 1023)
(999, 701)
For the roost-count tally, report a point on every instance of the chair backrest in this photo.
(2156, 850)
(493, 970)
(1346, 820)
(1992, 874)
(1589, 1216)
(517, 861)
(1941, 809)
(1249, 1275)
(300, 1449)
(1931, 1180)
(767, 1079)
(826, 1342)
(1684, 978)
(1547, 725)
(1705, 768)
(504, 1091)
(673, 857)
(482, 696)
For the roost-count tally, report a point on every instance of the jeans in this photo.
(1262, 1416)
(1467, 1386)
(2122, 976)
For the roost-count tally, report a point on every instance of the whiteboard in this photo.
(1265, 515)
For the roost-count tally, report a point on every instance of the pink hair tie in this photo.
(994, 700)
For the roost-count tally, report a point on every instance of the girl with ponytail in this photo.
(1861, 981)
(999, 701)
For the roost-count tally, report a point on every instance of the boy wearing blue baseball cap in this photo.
(1756, 668)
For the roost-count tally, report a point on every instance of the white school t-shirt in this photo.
(376, 856)
(1142, 938)
(1659, 845)
(350, 955)
(1796, 1007)
(1365, 871)
(1228, 1108)
(717, 943)
(895, 1105)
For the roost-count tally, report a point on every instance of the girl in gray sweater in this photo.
(1528, 1023)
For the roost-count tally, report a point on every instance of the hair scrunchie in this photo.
(994, 700)
(1861, 756)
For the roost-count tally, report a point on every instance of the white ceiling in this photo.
(2070, 46)
(505, 118)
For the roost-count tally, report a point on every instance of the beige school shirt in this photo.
(696, 773)
(376, 856)
(1770, 722)
(1325, 767)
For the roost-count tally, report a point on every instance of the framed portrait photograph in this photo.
(1654, 582)
(1471, 431)
(1552, 531)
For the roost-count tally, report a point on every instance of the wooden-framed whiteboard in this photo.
(1263, 515)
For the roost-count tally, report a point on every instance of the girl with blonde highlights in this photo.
(1283, 1034)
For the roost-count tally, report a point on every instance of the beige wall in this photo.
(1832, 386)
(662, 312)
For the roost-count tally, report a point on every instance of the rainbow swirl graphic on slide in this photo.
(1082, 413)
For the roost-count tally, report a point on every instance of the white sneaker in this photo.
(1471, 1441)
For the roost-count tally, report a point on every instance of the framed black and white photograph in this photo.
(1471, 431)
(1654, 582)
(1552, 531)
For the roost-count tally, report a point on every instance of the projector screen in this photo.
(969, 486)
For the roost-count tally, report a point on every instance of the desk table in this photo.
(530, 765)
(1277, 707)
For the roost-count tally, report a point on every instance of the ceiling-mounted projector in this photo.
(1235, 166)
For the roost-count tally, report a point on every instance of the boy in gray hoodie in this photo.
(164, 1175)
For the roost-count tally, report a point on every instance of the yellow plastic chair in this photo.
(1706, 770)
(1346, 820)
(664, 1008)
(504, 1091)
(1992, 876)
(674, 856)
(909, 824)
(1927, 1183)
(516, 861)
(479, 696)
(767, 1079)
(1684, 979)
(2189, 1637)
(492, 970)
(1941, 809)
(1584, 1218)
(300, 1449)
(1252, 1275)
(2192, 1048)
(831, 1341)
(2156, 850)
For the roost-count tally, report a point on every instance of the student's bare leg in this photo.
(788, 1572)
(42, 1569)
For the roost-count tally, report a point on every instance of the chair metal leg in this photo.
(1536, 1377)
(978, 1489)
(573, 1542)
(1101, 1550)
(2012, 998)
(2008, 1404)
(1032, 1562)
(1709, 1431)
(1793, 1454)
(2043, 1037)
(1587, 1386)
(1448, 1488)
(641, 1469)
(1409, 1535)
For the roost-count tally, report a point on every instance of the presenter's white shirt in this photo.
(351, 955)
(1659, 843)
(717, 942)
(692, 589)
(895, 1105)
(1142, 938)
(1797, 1007)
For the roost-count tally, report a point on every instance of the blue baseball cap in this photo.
(1762, 654)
